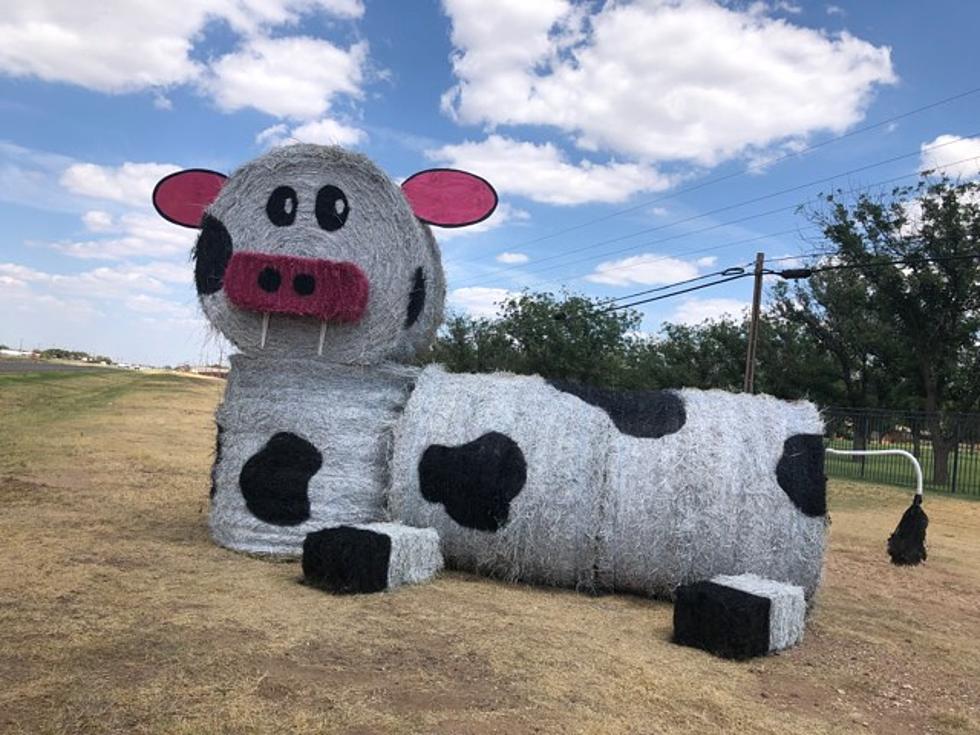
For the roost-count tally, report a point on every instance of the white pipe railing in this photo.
(902, 452)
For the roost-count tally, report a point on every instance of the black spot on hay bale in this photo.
(907, 545)
(416, 298)
(211, 255)
(275, 480)
(347, 560)
(646, 414)
(800, 473)
(217, 458)
(476, 482)
(721, 620)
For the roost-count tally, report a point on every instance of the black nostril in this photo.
(269, 280)
(304, 284)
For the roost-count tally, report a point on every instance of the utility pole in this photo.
(748, 385)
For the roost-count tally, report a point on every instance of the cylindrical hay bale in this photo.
(508, 470)
(738, 488)
(302, 445)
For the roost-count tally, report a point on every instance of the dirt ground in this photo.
(118, 615)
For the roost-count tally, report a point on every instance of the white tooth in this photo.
(323, 335)
(265, 330)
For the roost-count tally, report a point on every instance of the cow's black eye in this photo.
(331, 208)
(281, 206)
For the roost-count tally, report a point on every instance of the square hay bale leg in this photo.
(739, 617)
(370, 557)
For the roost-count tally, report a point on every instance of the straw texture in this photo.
(549, 533)
(705, 500)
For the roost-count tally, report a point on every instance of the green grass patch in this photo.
(898, 471)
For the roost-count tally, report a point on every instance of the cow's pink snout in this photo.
(328, 290)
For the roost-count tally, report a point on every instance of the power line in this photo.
(717, 210)
(676, 293)
(721, 225)
(795, 274)
(747, 170)
(732, 271)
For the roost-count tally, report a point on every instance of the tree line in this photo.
(895, 322)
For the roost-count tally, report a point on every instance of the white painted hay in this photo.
(704, 501)
(550, 537)
(346, 412)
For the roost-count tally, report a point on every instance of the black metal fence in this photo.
(950, 463)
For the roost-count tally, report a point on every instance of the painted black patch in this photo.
(217, 458)
(276, 479)
(331, 208)
(476, 482)
(800, 473)
(647, 414)
(282, 205)
(726, 622)
(211, 255)
(347, 560)
(416, 298)
(270, 280)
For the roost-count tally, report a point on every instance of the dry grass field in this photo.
(118, 615)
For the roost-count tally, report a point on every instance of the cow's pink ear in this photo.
(183, 196)
(447, 197)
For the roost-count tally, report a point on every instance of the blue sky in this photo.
(574, 111)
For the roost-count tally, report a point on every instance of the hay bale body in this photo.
(339, 417)
(550, 531)
(601, 510)
(705, 500)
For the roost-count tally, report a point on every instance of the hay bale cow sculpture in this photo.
(326, 276)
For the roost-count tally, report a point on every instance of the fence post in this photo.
(867, 438)
(956, 453)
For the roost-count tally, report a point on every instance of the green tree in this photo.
(917, 321)
(567, 336)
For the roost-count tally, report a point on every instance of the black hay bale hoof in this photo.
(739, 617)
(370, 557)
(346, 560)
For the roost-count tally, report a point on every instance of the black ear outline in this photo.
(161, 182)
(438, 169)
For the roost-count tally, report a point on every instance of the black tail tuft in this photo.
(907, 546)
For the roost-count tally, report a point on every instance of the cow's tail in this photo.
(907, 545)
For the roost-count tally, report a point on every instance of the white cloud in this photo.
(478, 301)
(952, 155)
(137, 235)
(687, 80)
(295, 77)
(707, 261)
(836, 10)
(544, 174)
(97, 221)
(646, 269)
(130, 183)
(324, 132)
(788, 7)
(695, 311)
(512, 258)
(127, 45)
